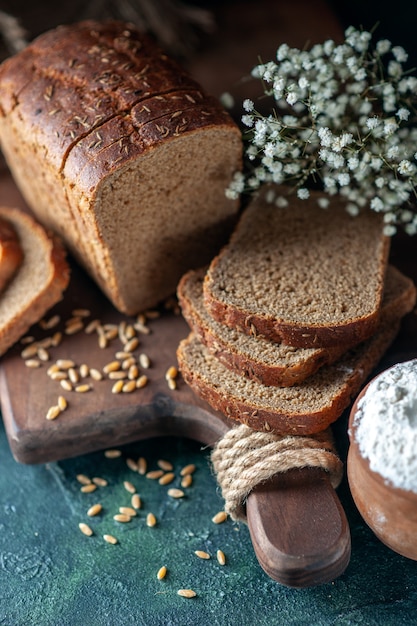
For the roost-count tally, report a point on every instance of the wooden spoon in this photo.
(297, 525)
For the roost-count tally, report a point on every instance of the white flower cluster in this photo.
(343, 115)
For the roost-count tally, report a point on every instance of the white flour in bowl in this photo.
(386, 425)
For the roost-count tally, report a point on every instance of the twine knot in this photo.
(244, 457)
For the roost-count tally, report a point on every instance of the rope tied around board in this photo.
(244, 458)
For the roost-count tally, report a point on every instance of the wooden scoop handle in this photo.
(298, 528)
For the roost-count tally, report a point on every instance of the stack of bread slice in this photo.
(291, 317)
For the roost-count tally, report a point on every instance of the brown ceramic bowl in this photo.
(390, 512)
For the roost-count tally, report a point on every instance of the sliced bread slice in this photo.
(303, 409)
(11, 254)
(39, 282)
(301, 274)
(268, 362)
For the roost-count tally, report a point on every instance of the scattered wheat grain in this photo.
(94, 510)
(123, 519)
(221, 557)
(85, 529)
(88, 488)
(130, 487)
(83, 479)
(110, 539)
(150, 520)
(112, 453)
(162, 572)
(136, 501)
(175, 493)
(53, 412)
(202, 554)
(186, 593)
(220, 517)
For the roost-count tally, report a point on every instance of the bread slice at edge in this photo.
(263, 243)
(39, 282)
(290, 366)
(303, 409)
(11, 254)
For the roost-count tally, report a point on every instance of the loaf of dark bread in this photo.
(120, 152)
(302, 275)
(268, 362)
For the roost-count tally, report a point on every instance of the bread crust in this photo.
(11, 254)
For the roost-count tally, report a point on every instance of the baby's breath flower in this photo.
(344, 115)
(303, 193)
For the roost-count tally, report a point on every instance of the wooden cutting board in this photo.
(99, 418)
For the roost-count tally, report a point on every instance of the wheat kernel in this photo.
(74, 327)
(85, 529)
(186, 481)
(144, 361)
(59, 376)
(142, 381)
(131, 345)
(142, 465)
(175, 493)
(133, 372)
(83, 479)
(201, 554)
(154, 474)
(117, 387)
(65, 384)
(150, 520)
(187, 469)
(128, 362)
(110, 539)
(117, 375)
(81, 312)
(162, 572)
(84, 370)
(43, 355)
(94, 510)
(172, 372)
(165, 465)
(113, 366)
(124, 519)
(53, 412)
(220, 517)
(92, 326)
(112, 453)
(100, 482)
(88, 488)
(73, 375)
(82, 388)
(96, 374)
(56, 339)
(32, 363)
(62, 403)
(172, 383)
(186, 593)
(167, 478)
(132, 465)
(127, 510)
(129, 486)
(65, 364)
(30, 351)
(136, 501)
(221, 557)
(129, 386)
